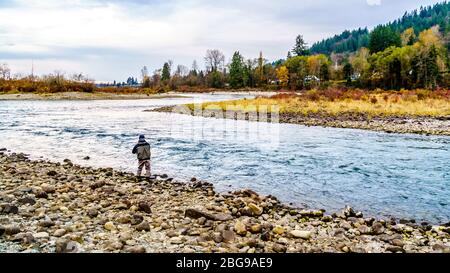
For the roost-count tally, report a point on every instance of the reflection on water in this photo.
(398, 175)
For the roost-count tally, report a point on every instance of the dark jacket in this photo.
(142, 149)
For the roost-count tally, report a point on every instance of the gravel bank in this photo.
(62, 207)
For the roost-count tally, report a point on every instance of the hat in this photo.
(141, 137)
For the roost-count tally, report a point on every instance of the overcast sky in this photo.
(111, 39)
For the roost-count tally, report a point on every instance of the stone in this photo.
(9, 209)
(97, 184)
(145, 207)
(59, 232)
(303, 234)
(377, 228)
(201, 221)
(24, 238)
(86, 158)
(364, 229)
(135, 249)
(48, 188)
(63, 246)
(11, 229)
(92, 213)
(345, 225)
(397, 242)
(110, 226)
(256, 210)
(124, 219)
(41, 235)
(257, 228)
(52, 173)
(136, 219)
(228, 236)
(394, 249)
(144, 226)
(41, 194)
(46, 223)
(266, 236)
(240, 228)
(279, 248)
(27, 200)
(278, 230)
(195, 214)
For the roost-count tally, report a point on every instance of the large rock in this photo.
(9, 209)
(240, 228)
(48, 188)
(145, 207)
(110, 226)
(195, 214)
(377, 228)
(278, 230)
(228, 236)
(144, 226)
(303, 234)
(256, 210)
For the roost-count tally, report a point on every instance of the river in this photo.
(403, 176)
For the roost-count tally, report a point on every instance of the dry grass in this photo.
(333, 103)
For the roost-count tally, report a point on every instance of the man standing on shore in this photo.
(142, 149)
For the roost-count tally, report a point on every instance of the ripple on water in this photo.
(397, 175)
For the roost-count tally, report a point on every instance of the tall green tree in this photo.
(348, 72)
(165, 76)
(236, 70)
(300, 48)
(383, 37)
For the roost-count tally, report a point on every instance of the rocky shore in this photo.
(62, 207)
(86, 96)
(389, 124)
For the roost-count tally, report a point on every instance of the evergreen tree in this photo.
(165, 76)
(324, 72)
(236, 70)
(348, 72)
(300, 48)
(383, 37)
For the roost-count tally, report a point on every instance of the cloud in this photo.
(374, 2)
(112, 39)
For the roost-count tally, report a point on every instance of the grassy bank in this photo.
(335, 102)
(417, 112)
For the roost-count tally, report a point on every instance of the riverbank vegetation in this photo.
(336, 102)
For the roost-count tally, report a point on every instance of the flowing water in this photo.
(406, 176)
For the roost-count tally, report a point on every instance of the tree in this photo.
(408, 37)
(283, 75)
(5, 72)
(325, 72)
(215, 79)
(383, 37)
(300, 48)
(194, 69)
(260, 69)
(144, 73)
(165, 76)
(236, 71)
(360, 61)
(214, 60)
(348, 72)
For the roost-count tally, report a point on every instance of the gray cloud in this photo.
(112, 39)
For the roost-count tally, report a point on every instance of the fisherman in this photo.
(142, 149)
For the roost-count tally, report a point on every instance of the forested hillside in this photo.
(419, 20)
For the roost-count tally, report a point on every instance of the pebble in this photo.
(303, 234)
